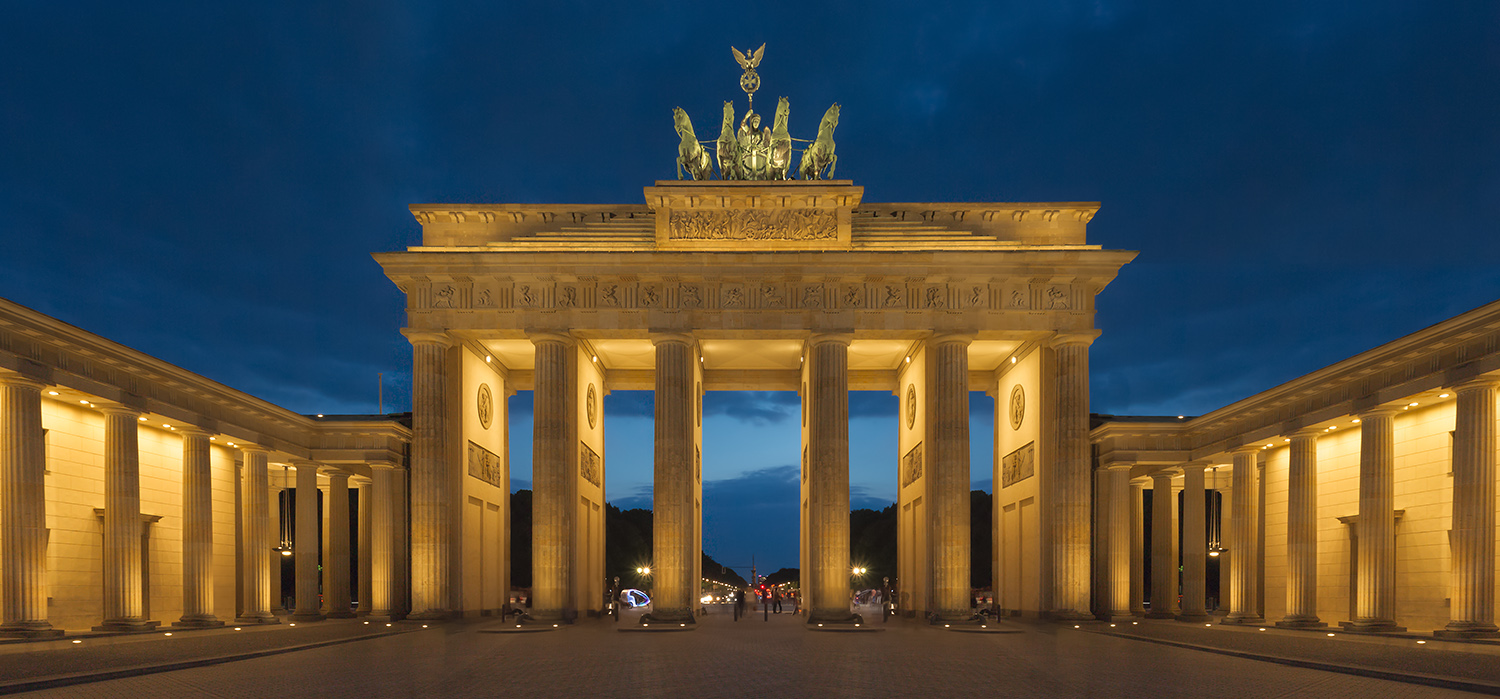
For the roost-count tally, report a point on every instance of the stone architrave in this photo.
(1473, 609)
(23, 513)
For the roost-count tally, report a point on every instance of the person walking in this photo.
(776, 601)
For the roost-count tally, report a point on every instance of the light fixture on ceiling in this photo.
(1012, 360)
(1440, 395)
(488, 359)
(52, 393)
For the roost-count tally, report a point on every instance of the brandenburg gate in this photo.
(750, 282)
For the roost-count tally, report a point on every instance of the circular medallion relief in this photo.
(591, 406)
(486, 406)
(911, 405)
(1017, 407)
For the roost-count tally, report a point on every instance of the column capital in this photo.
(1474, 384)
(540, 336)
(1117, 466)
(842, 338)
(1084, 338)
(1198, 466)
(253, 448)
(1380, 411)
(299, 464)
(660, 338)
(964, 339)
(117, 409)
(1163, 475)
(193, 431)
(8, 378)
(427, 337)
(377, 465)
(333, 473)
(1307, 433)
(361, 481)
(1247, 449)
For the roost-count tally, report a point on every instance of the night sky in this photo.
(204, 182)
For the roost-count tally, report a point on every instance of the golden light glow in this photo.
(53, 393)
(1355, 421)
(141, 419)
(1440, 395)
(488, 359)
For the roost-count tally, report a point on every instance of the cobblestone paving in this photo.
(749, 658)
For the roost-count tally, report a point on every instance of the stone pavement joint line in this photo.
(1477, 685)
(88, 676)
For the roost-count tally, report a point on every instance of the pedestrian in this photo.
(776, 601)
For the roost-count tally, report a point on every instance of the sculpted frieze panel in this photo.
(486, 466)
(911, 466)
(1018, 465)
(754, 224)
(589, 463)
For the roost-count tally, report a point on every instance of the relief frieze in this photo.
(911, 466)
(754, 224)
(589, 464)
(486, 466)
(1018, 465)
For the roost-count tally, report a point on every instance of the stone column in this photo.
(336, 603)
(401, 546)
(255, 544)
(1243, 561)
(430, 496)
(1117, 533)
(1375, 586)
(23, 511)
(949, 487)
(1163, 548)
(828, 486)
(672, 502)
(1138, 548)
(305, 553)
(197, 532)
(124, 604)
(365, 562)
(1070, 473)
(1302, 532)
(383, 573)
(554, 454)
(1473, 610)
(1194, 545)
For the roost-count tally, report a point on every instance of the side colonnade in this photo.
(1304, 511)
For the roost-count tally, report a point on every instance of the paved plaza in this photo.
(722, 658)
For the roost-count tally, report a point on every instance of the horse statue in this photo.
(820, 153)
(691, 155)
(781, 142)
(729, 153)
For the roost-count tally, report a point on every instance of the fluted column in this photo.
(1117, 534)
(23, 511)
(1138, 548)
(1302, 532)
(363, 487)
(1070, 473)
(255, 544)
(305, 553)
(828, 483)
(1473, 610)
(197, 531)
(336, 603)
(949, 487)
(124, 603)
(1194, 545)
(383, 574)
(1163, 548)
(553, 457)
(672, 500)
(401, 546)
(430, 480)
(1375, 586)
(1243, 561)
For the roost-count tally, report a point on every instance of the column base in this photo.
(36, 629)
(340, 615)
(1301, 622)
(1243, 619)
(202, 622)
(1193, 616)
(382, 615)
(127, 626)
(261, 618)
(1372, 626)
(1470, 629)
(307, 616)
(431, 615)
(669, 616)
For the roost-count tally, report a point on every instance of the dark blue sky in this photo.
(205, 181)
